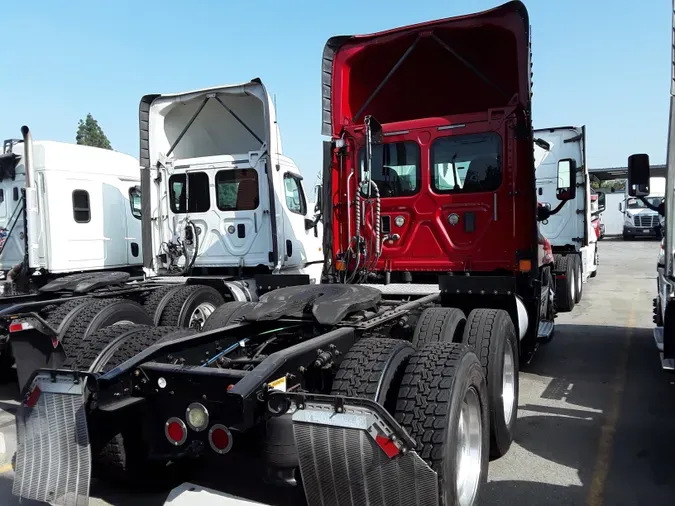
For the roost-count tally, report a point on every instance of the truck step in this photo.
(667, 364)
(658, 337)
(545, 329)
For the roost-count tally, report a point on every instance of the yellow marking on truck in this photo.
(5, 469)
(603, 460)
(279, 384)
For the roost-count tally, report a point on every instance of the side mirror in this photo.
(374, 147)
(309, 224)
(638, 175)
(601, 201)
(567, 184)
(318, 198)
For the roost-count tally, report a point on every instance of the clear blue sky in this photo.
(605, 64)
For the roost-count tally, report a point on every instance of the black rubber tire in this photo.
(563, 292)
(429, 402)
(184, 301)
(227, 314)
(55, 315)
(154, 300)
(95, 315)
(372, 369)
(123, 457)
(579, 285)
(627, 237)
(444, 324)
(487, 333)
(96, 343)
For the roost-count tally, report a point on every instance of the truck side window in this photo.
(197, 193)
(400, 174)
(81, 209)
(466, 163)
(135, 202)
(295, 197)
(237, 190)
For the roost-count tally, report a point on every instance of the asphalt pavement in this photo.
(596, 421)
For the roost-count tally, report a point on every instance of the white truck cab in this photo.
(222, 198)
(66, 208)
(569, 230)
(639, 220)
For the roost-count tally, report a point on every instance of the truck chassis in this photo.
(396, 382)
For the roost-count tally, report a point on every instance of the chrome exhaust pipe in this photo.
(28, 155)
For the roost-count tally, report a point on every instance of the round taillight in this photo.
(220, 439)
(197, 417)
(175, 431)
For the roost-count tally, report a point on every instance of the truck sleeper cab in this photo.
(570, 230)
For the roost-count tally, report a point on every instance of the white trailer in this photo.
(570, 230)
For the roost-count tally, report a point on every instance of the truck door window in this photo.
(198, 193)
(638, 204)
(466, 163)
(295, 197)
(135, 202)
(81, 209)
(237, 190)
(400, 174)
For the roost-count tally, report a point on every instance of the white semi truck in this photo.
(640, 186)
(570, 230)
(224, 216)
(639, 219)
(64, 209)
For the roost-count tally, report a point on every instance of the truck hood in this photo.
(463, 64)
(230, 119)
(641, 212)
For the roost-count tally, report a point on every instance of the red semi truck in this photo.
(406, 357)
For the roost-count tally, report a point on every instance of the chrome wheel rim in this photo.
(508, 383)
(200, 314)
(469, 449)
(572, 287)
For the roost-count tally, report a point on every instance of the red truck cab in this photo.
(431, 142)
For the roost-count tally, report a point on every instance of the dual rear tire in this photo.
(438, 394)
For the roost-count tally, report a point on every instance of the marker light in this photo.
(175, 431)
(453, 219)
(399, 221)
(197, 417)
(220, 439)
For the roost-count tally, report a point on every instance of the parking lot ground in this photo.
(597, 415)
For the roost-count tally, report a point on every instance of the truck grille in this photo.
(53, 460)
(645, 221)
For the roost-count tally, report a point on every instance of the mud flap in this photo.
(53, 457)
(352, 455)
(35, 346)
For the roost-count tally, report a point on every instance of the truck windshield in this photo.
(638, 204)
(466, 163)
(400, 175)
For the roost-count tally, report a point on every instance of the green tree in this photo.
(89, 133)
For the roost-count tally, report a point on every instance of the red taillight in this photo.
(220, 439)
(175, 431)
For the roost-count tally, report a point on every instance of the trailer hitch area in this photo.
(352, 451)
(35, 345)
(53, 459)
